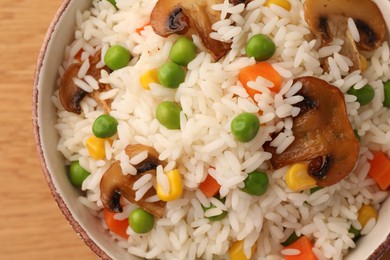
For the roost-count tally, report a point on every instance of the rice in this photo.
(142, 181)
(83, 69)
(290, 252)
(83, 85)
(91, 81)
(211, 97)
(139, 158)
(353, 30)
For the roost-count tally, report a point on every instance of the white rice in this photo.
(83, 85)
(368, 227)
(92, 82)
(290, 251)
(353, 30)
(139, 158)
(83, 69)
(139, 194)
(162, 179)
(127, 168)
(211, 97)
(142, 181)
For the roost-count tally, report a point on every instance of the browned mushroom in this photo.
(150, 163)
(105, 104)
(178, 16)
(323, 134)
(70, 95)
(114, 184)
(236, 2)
(328, 19)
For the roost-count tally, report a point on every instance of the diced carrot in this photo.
(209, 187)
(262, 69)
(380, 170)
(304, 245)
(140, 29)
(117, 226)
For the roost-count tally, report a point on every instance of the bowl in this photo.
(85, 224)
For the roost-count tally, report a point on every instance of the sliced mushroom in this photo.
(150, 163)
(95, 72)
(105, 104)
(323, 134)
(115, 184)
(178, 16)
(328, 19)
(70, 95)
(236, 2)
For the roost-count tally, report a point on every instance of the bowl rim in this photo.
(80, 231)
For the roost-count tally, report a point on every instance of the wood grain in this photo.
(31, 224)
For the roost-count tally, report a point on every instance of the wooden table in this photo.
(31, 224)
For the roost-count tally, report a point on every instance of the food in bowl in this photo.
(241, 129)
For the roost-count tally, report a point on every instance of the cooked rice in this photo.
(210, 97)
(353, 30)
(290, 251)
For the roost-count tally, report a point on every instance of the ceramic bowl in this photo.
(86, 225)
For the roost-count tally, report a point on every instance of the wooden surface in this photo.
(31, 224)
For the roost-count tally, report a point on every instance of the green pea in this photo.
(256, 183)
(386, 86)
(245, 126)
(364, 95)
(217, 217)
(183, 51)
(117, 57)
(171, 75)
(261, 47)
(113, 2)
(168, 114)
(141, 221)
(355, 232)
(77, 174)
(105, 126)
(312, 190)
(357, 134)
(291, 239)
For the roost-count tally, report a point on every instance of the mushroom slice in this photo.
(70, 95)
(237, 2)
(175, 16)
(105, 104)
(338, 27)
(323, 134)
(93, 70)
(150, 163)
(115, 184)
(328, 19)
(96, 73)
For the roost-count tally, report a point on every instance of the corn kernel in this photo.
(282, 3)
(96, 147)
(363, 63)
(298, 179)
(176, 187)
(148, 77)
(366, 212)
(236, 251)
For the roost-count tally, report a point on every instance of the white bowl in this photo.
(59, 35)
